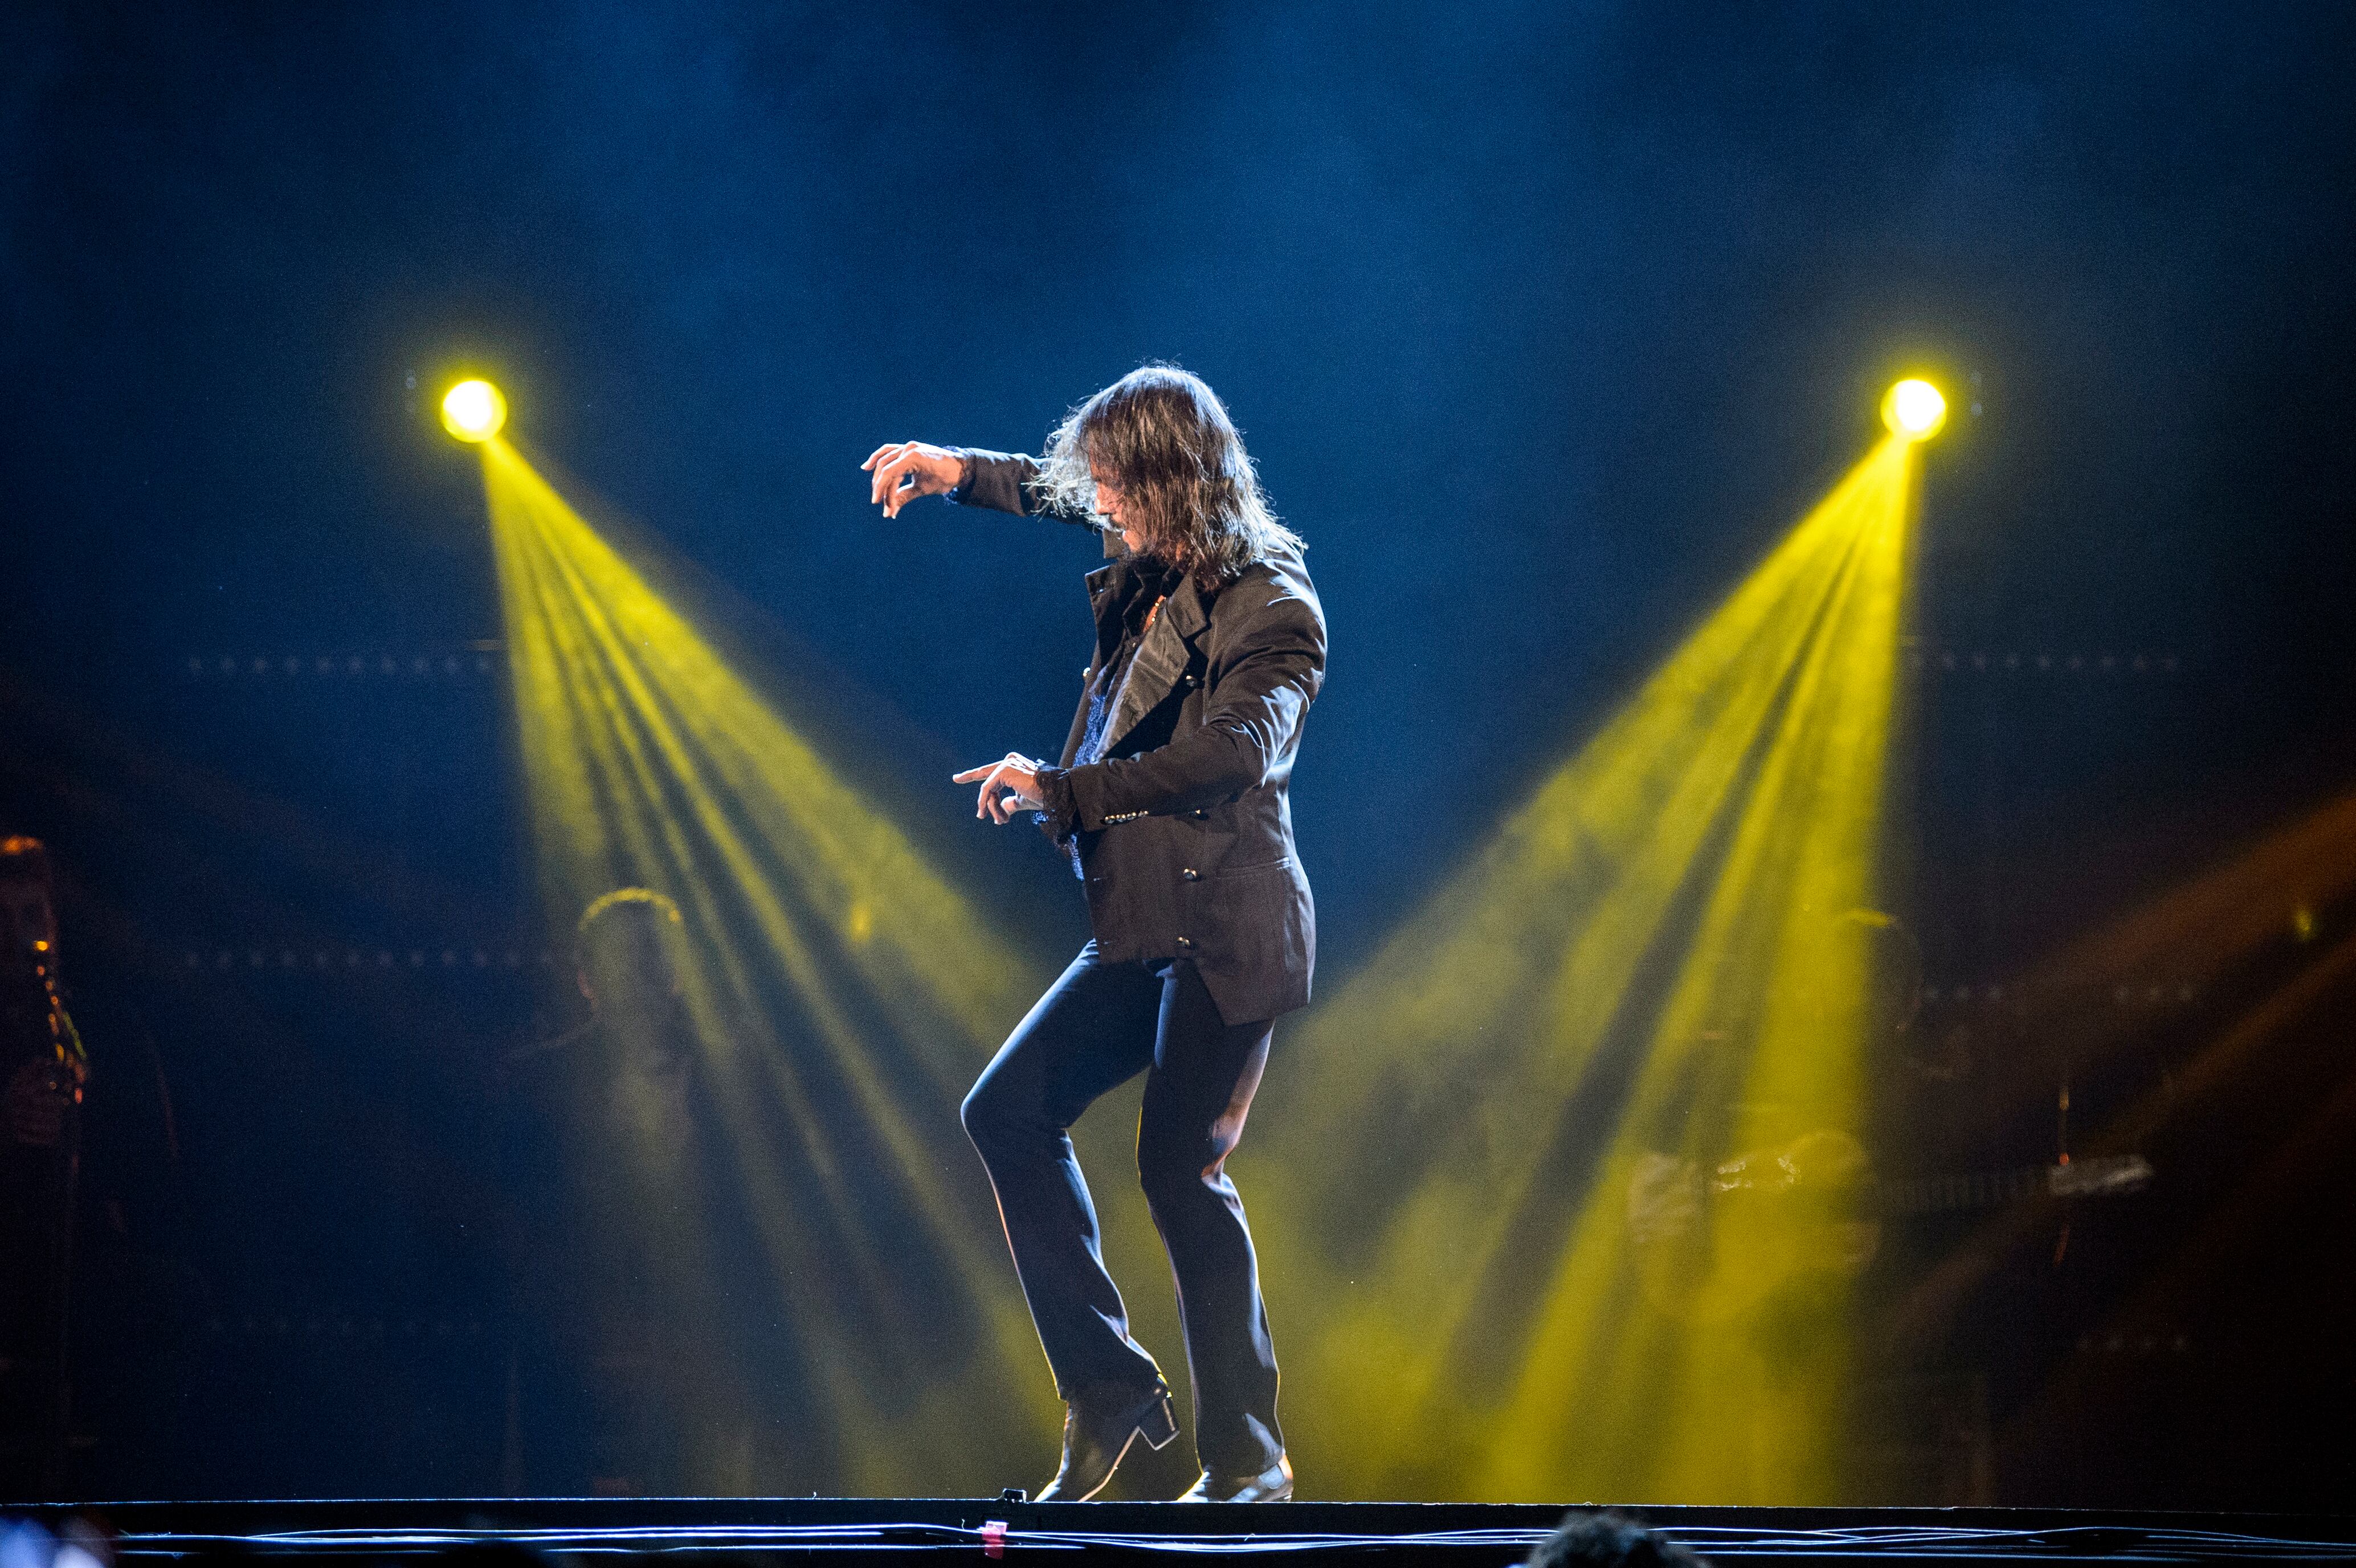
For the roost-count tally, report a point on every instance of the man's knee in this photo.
(1171, 1168)
(1003, 1111)
(984, 1112)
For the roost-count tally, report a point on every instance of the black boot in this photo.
(1273, 1485)
(1095, 1444)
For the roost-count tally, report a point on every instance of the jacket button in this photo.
(1185, 944)
(1199, 814)
(1191, 875)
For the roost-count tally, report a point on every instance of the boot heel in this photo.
(1158, 1426)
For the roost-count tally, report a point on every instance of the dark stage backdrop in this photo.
(1544, 324)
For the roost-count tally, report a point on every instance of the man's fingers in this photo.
(887, 474)
(884, 454)
(899, 466)
(1005, 799)
(1000, 797)
(915, 480)
(902, 480)
(905, 470)
(985, 803)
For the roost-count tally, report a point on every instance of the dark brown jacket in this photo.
(1184, 831)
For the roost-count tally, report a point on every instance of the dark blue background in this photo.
(1541, 321)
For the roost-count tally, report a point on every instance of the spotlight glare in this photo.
(1914, 410)
(473, 411)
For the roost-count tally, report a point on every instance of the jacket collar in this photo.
(1164, 655)
(1108, 593)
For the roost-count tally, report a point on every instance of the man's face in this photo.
(1112, 506)
(25, 918)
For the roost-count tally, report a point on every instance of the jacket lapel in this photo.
(1161, 660)
(1105, 595)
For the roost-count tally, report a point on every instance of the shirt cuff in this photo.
(1058, 817)
(997, 481)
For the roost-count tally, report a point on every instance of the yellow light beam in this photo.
(842, 996)
(1654, 976)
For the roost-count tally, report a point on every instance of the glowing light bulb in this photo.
(473, 411)
(1914, 410)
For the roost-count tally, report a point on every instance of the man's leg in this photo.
(1200, 1089)
(1094, 1029)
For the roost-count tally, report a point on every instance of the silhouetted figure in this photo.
(626, 1205)
(642, 1039)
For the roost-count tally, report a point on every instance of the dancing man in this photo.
(1170, 800)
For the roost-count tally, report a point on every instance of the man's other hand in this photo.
(1007, 788)
(903, 470)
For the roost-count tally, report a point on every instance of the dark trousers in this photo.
(1099, 1025)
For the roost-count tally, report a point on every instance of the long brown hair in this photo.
(1165, 439)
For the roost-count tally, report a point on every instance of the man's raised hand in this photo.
(1007, 788)
(903, 470)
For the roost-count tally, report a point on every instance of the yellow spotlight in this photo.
(473, 411)
(1635, 1037)
(1914, 410)
(834, 995)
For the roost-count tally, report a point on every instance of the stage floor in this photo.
(748, 1530)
